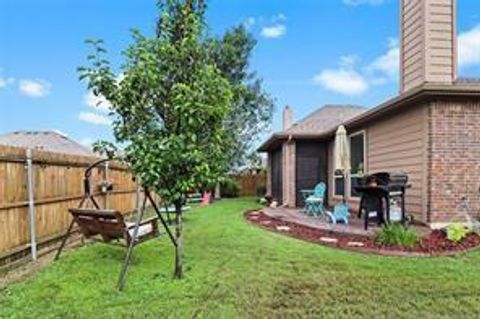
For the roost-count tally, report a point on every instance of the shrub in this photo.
(396, 235)
(456, 232)
(261, 191)
(229, 188)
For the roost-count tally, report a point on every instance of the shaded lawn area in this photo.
(235, 270)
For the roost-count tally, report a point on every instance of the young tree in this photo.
(169, 107)
(252, 107)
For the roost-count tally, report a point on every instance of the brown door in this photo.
(311, 167)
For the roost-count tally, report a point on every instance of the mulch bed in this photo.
(433, 244)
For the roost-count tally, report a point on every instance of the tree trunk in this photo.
(217, 192)
(178, 238)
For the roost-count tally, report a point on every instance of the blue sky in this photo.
(309, 53)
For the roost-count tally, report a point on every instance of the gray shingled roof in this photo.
(45, 140)
(325, 118)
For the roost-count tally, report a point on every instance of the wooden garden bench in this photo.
(109, 225)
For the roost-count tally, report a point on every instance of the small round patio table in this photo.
(305, 194)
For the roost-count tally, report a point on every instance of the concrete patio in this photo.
(355, 226)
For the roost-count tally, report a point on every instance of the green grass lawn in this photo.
(236, 270)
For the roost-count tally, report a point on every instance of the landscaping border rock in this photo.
(432, 245)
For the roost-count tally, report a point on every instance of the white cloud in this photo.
(343, 80)
(354, 79)
(4, 82)
(94, 118)
(387, 66)
(351, 79)
(469, 47)
(250, 22)
(348, 61)
(98, 102)
(279, 17)
(34, 88)
(274, 31)
(270, 27)
(361, 2)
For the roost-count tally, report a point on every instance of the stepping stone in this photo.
(355, 244)
(266, 222)
(329, 240)
(254, 213)
(283, 228)
(254, 217)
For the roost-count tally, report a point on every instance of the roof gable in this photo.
(325, 118)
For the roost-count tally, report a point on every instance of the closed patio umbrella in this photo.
(341, 153)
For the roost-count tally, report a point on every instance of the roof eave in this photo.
(271, 142)
(424, 92)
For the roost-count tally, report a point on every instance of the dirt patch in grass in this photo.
(434, 243)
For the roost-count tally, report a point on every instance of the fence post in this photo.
(31, 205)
(139, 193)
(106, 183)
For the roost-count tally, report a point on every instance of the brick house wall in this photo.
(454, 159)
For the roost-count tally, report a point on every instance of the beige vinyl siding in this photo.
(396, 144)
(412, 44)
(428, 42)
(440, 41)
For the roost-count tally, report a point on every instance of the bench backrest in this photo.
(107, 223)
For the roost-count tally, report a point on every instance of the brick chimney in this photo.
(287, 118)
(428, 43)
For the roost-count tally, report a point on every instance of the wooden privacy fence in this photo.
(251, 182)
(56, 185)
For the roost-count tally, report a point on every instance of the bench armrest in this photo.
(151, 220)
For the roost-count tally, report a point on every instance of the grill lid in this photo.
(386, 178)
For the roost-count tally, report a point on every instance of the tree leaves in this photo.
(171, 105)
(252, 108)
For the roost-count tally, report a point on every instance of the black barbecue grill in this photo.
(377, 190)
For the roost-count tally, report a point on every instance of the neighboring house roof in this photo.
(461, 88)
(468, 80)
(45, 140)
(325, 118)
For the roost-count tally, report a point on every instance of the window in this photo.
(339, 182)
(357, 161)
(346, 186)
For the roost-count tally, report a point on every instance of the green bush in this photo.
(396, 235)
(456, 232)
(229, 188)
(261, 191)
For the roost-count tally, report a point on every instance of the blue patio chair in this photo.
(340, 213)
(314, 202)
